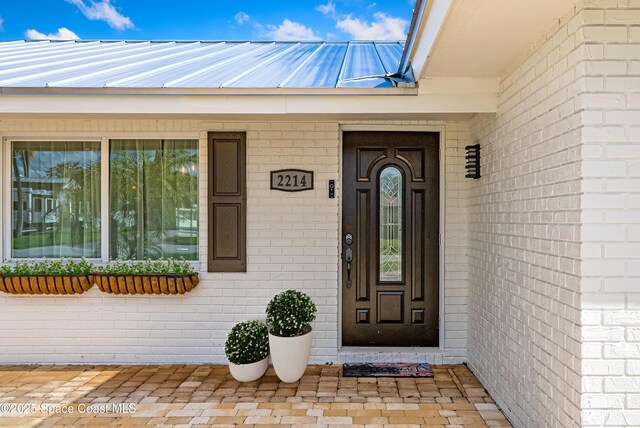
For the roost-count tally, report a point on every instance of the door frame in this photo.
(440, 129)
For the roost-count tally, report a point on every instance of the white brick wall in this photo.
(292, 242)
(554, 301)
(456, 234)
(611, 214)
(524, 288)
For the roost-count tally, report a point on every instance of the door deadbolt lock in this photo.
(348, 239)
(348, 255)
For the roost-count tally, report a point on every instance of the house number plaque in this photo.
(291, 180)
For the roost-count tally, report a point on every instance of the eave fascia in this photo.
(442, 101)
(431, 25)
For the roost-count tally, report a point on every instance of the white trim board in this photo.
(433, 103)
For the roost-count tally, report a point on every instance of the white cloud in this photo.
(384, 27)
(327, 9)
(103, 11)
(62, 34)
(290, 30)
(241, 18)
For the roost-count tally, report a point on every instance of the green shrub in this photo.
(146, 267)
(247, 342)
(47, 267)
(290, 314)
(83, 267)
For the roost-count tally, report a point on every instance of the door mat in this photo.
(387, 370)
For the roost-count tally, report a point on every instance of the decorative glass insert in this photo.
(390, 225)
(55, 195)
(153, 199)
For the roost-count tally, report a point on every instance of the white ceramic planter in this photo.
(249, 372)
(290, 355)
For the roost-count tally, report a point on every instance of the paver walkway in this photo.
(206, 395)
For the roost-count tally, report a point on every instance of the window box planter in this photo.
(146, 283)
(45, 284)
(46, 277)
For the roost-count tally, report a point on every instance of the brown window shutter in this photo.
(227, 202)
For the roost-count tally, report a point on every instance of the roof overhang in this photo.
(424, 32)
(430, 102)
(480, 38)
(458, 50)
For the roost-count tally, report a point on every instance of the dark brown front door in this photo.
(390, 237)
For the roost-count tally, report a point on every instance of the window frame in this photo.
(6, 192)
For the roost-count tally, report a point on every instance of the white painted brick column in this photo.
(555, 244)
(611, 214)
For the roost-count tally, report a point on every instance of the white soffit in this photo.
(481, 38)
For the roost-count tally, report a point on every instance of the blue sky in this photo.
(205, 19)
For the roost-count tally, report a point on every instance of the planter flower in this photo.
(147, 277)
(46, 277)
(289, 316)
(247, 348)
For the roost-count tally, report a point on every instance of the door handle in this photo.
(348, 257)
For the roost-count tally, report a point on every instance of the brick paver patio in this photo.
(206, 395)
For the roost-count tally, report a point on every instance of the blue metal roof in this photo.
(198, 64)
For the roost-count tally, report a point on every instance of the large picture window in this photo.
(55, 199)
(58, 208)
(153, 199)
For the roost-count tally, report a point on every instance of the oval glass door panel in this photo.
(390, 241)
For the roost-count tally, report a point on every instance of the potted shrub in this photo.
(247, 348)
(289, 317)
(168, 276)
(46, 277)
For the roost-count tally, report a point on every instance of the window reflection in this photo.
(55, 199)
(153, 199)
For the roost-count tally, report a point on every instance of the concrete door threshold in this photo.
(363, 354)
